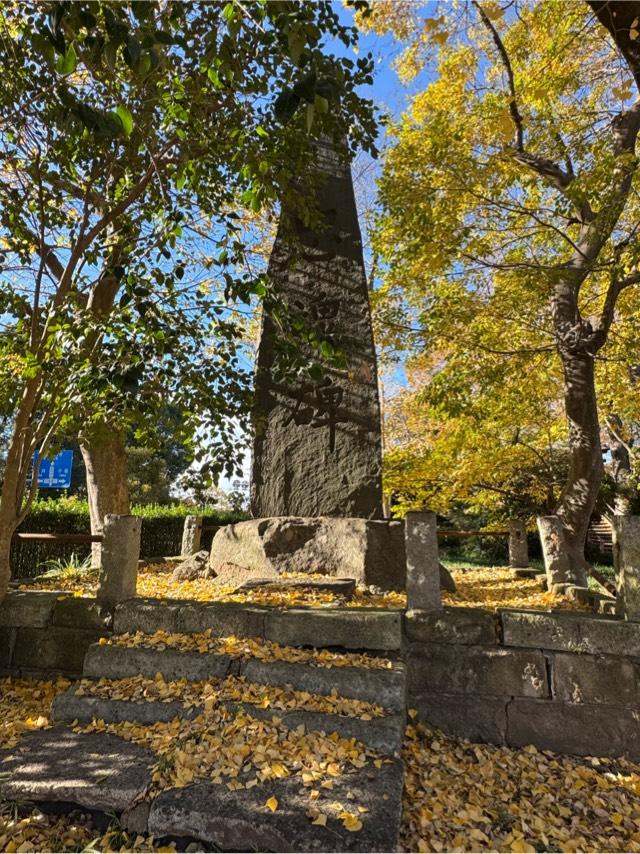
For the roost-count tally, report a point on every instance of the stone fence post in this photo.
(626, 559)
(191, 534)
(120, 555)
(554, 551)
(423, 563)
(518, 546)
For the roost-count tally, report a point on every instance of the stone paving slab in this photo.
(95, 770)
(241, 821)
(106, 773)
(373, 684)
(381, 733)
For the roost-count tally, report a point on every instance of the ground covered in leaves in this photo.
(459, 796)
(497, 587)
(477, 587)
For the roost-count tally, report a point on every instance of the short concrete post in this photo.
(191, 534)
(423, 564)
(120, 555)
(518, 546)
(626, 559)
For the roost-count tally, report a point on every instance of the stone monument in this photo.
(316, 491)
(317, 446)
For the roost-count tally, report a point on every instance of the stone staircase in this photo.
(334, 660)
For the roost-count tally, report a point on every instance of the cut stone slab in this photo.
(351, 628)
(355, 628)
(581, 729)
(241, 821)
(571, 632)
(383, 733)
(476, 717)
(596, 679)
(447, 669)
(451, 625)
(371, 552)
(374, 684)
(95, 770)
(326, 584)
(32, 608)
(195, 566)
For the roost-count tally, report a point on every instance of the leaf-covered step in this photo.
(115, 702)
(189, 657)
(350, 628)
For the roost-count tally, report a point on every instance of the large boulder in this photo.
(370, 551)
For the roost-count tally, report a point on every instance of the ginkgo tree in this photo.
(509, 202)
(123, 127)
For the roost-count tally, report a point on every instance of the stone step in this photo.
(350, 628)
(384, 686)
(101, 771)
(383, 733)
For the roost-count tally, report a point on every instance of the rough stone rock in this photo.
(193, 567)
(338, 586)
(317, 445)
(446, 579)
(529, 573)
(95, 770)
(451, 625)
(579, 594)
(371, 552)
(448, 669)
(241, 821)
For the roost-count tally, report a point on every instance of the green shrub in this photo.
(161, 531)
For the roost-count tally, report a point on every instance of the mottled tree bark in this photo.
(105, 460)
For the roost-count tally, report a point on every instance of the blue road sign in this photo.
(55, 473)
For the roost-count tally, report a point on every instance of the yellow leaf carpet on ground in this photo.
(459, 796)
(478, 586)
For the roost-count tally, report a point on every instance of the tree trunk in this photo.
(586, 468)
(105, 460)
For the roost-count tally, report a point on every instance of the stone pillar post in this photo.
(191, 534)
(626, 559)
(556, 560)
(423, 564)
(120, 555)
(518, 546)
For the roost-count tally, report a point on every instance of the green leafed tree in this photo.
(130, 134)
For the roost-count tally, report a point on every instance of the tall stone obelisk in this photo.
(317, 444)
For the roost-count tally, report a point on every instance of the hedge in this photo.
(161, 530)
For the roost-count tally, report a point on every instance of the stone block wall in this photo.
(44, 633)
(563, 681)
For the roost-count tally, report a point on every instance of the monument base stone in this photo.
(369, 551)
